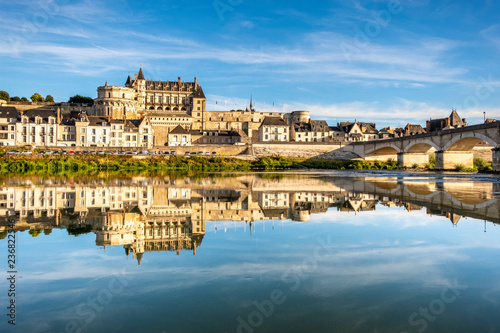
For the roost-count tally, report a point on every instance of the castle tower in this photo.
(140, 81)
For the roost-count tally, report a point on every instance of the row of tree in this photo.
(36, 97)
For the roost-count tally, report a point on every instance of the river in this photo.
(251, 252)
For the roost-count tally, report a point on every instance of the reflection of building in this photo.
(164, 214)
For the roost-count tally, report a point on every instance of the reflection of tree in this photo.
(47, 231)
(3, 234)
(76, 230)
(35, 232)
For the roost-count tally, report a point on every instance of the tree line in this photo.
(36, 97)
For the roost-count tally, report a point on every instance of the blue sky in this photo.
(390, 62)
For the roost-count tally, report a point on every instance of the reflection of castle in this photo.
(145, 215)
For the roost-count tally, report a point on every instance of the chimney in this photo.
(179, 81)
(195, 82)
(124, 119)
(58, 115)
(135, 77)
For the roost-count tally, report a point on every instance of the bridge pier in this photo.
(496, 159)
(408, 159)
(449, 160)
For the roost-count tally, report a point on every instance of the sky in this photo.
(384, 61)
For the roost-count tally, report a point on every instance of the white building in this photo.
(274, 129)
(8, 119)
(37, 128)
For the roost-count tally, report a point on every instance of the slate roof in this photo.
(273, 121)
(198, 93)
(43, 113)
(140, 76)
(97, 121)
(179, 130)
(8, 112)
(413, 129)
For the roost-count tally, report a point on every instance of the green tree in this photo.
(36, 98)
(24, 99)
(4, 95)
(81, 99)
(49, 98)
(47, 231)
(15, 99)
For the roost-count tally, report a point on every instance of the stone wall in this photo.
(305, 150)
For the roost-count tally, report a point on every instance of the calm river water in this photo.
(309, 252)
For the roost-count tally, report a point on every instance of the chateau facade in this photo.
(168, 104)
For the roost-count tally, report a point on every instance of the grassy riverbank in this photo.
(89, 164)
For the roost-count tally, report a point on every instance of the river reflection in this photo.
(325, 252)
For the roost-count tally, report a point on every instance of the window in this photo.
(82, 130)
(82, 139)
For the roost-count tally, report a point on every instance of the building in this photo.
(274, 130)
(179, 137)
(8, 119)
(66, 133)
(37, 128)
(312, 131)
(166, 103)
(217, 137)
(453, 121)
(413, 130)
(352, 131)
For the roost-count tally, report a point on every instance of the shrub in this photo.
(481, 164)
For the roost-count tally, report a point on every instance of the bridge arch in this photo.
(386, 149)
(420, 146)
(465, 142)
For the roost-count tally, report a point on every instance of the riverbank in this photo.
(85, 164)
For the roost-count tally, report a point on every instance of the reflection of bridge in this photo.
(451, 147)
(144, 215)
(476, 200)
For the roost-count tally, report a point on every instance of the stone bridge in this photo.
(452, 147)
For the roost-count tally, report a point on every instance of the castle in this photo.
(169, 104)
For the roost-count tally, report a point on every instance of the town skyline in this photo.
(390, 62)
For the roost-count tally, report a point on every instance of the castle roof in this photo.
(198, 93)
(129, 80)
(140, 76)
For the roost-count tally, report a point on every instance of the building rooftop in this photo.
(273, 121)
(8, 112)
